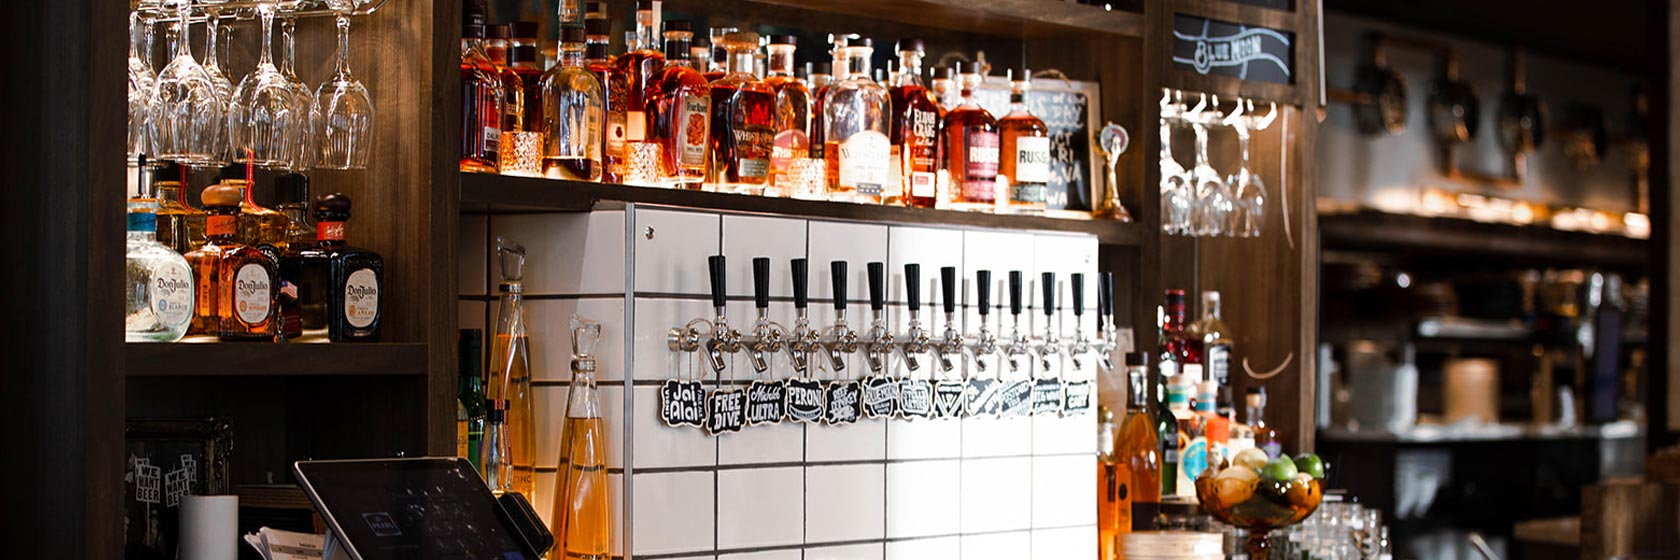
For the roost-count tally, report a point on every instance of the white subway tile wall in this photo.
(879, 490)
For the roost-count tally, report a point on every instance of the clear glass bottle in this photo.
(159, 290)
(946, 92)
(1265, 437)
(582, 522)
(482, 105)
(510, 384)
(679, 108)
(856, 114)
(1216, 349)
(498, 469)
(179, 227)
(637, 69)
(573, 107)
(969, 137)
(915, 130)
(821, 83)
(616, 98)
(1025, 149)
(793, 118)
(523, 105)
(743, 119)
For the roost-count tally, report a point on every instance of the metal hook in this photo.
(1270, 116)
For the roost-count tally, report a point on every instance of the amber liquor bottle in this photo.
(597, 38)
(179, 226)
(292, 190)
(247, 281)
(858, 153)
(679, 107)
(821, 83)
(481, 97)
(221, 203)
(496, 46)
(1025, 151)
(636, 70)
(915, 129)
(524, 102)
(969, 138)
(743, 120)
(793, 116)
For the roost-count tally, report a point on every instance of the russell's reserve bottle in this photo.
(915, 131)
(793, 120)
(1024, 152)
(679, 107)
(856, 117)
(743, 119)
(573, 108)
(969, 137)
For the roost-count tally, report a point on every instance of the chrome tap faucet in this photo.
(1019, 343)
(840, 339)
(1108, 337)
(767, 336)
(1080, 346)
(917, 341)
(804, 340)
(1049, 344)
(984, 343)
(878, 343)
(725, 340)
(950, 347)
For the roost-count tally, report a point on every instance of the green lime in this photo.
(1310, 464)
(1280, 469)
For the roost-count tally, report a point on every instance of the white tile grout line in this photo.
(626, 504)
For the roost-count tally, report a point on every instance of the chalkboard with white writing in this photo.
(805, 401)
(981, 397)
(915, 398)
(1047, 396)
(1015, 398)
(1069, 110)
(948, 401)
(766, 402)
(726, 411)
(880, 396)
(1078, 397)
(682, 403)
(845, 402)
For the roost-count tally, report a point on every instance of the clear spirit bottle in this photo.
(524, 112)
(482, 104)
(635, 71)
(743, 120)
(679, 106)
(793, 118)
(510, 384)
(159, 290)
(573, 107)
(855, 115)
(969, 137)
(821, 83)
(1216, 349)
(582, 507)
(616, 96)
(915, 130)
(1025, 152)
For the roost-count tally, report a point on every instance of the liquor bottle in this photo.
(819, 75)
(159, 290)
(221, 203)
(793, 118)
(573, 106)
(1113, 495)
(523, 105)
(1215, 428)
(915, 130)
(945, 91)
(292, 190)
(1166, 429)
(969, 137)
(1216, 350)
(482, 104)
(599, 63)
(1025, 152)
(355, 278)
(717, 55)
(679, 107)
(510, 384)
(1265, 437)
(1139, 446)
(247, 280)
(1178, 406)
(469, 402)
(581, 520)
(1174, 342)
(855, 121)
(743, 119)
(1193, 454)
(496, 47)
(257, 226)
(837, 68)
(637, 69)
(179, 226)
(498, 469)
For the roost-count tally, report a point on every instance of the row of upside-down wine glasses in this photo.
(1196, 201)
(192, 113)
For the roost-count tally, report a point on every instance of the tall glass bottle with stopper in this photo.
(597, 40)
(1140, 442)
(1025, 151)
(482, 103)
(793, 121)
(679, 106)
(855, 121)
(1216, 351)
(1113, 494)
(637, 69)
(915, 130)
(821, 83)
(159, 289)
(743, 119)
(969, 137)
(573, 108)
(510, 384)
(582, 522)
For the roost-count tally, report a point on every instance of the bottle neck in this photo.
(296, 212)
(647, 30)
(522, 53)
(739, 61)
(909, 69)
(1139, 387)
(676, 48)
(859, 64)
(1018, 100)
(1256, 414)
(596, 50)
(571, 55)
(1210, 309)
(221, 225)
(840, 66)
(780, 62)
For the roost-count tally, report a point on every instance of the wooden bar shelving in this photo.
(256, 359)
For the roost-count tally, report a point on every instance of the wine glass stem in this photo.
(344, 47)
(1259, 545)
(266, 11)
(212, 28)
(1242, 143)
(288, 46)
(182, 10)
(1201, 145)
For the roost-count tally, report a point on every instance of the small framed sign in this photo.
(766, 402)
(726, 411)
(948, 401)
(845, 402)
(880, 396)
(1078, 397)
(915, 398)
(682, 403)
(1015, 398)
(980, 397)
(1047, 396)
(805, 401)
(1212, 47)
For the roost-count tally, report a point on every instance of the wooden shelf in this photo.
(482, 192)
(189, 359)
(1012, 18)
(1433, 237)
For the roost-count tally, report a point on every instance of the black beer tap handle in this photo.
(1049, 281)
(1078, 285)
(1105, 298)
(877, 285)
(1014, 292)
(715, 263)
(837, 273)
(801, 283)
(913, 286)
(948, 288)
(983, 291)
(761, 282)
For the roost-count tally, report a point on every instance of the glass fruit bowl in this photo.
(1260, 494)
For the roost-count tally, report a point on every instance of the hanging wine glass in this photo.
(1176, 199)
(185, 113)
(344, 112)
(1213, 198)
(304, 151)
(266, 117)
(1250, 192)
(141, 81)
(214, 44)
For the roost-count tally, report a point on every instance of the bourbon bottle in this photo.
(1025, 152)
(743, 120)
(573, 109)
(969, 137)
(915, 130)
(616, 98)
(856, 116)
(636, 70)
(481, 97)
(821, 83)
(679, 107)
(524, 106)
(793, 116)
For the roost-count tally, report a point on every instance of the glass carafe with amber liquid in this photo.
(582, 522)
(793, 117)
(915, 130)
(679, 108)
(573, 106)
(743, 120)
(510, 384)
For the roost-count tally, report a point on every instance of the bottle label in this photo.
(1032, 160)
(635, 126)
(1027, 193)
(753, 147)
(924, 126)
(693, 122)
(330, 231)
(142, 221)
(788, 145)
(220, 225)
(361, 298)
(615, 134)
(863, 162)
(172, 294)
(253, 294)
(1195, 458)
(492, 139)
(1219, 364)
(980, 168)
(923, 184)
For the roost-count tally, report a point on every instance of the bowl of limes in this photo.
(1260, 493)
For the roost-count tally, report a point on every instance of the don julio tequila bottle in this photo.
(159, 289)
(339, 285)
(573, 107)
(855, 121)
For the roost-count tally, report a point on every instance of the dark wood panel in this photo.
(1007, 18)
(1432, 237)
(223, 360)
(1245, 14)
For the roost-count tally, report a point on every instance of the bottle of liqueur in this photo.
(573, 107)
(637, 69)
(595, 57)
(915, 130)
(1216, 350)
(510, 367)
(179, 226)
(1113, 494)
(355, 277)
(221, 203)
(582, 522)
(247, 278)
(1025, 151)
(523, 105)
(159, 290)
(743, 119)
(1166, 428)
(716, 57)
(292, 190)
(1173, 338)
(793, 118)
(482, 105)
(855, 116)
(969, 137)
(1193, 458)
(679, 106)
(819, 89)
(1139, 447)
(1215, 429)
(1265, 437)
(470, 409)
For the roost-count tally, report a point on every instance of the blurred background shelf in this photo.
(1429, 238)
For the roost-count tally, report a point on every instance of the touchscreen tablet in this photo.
(411, 509)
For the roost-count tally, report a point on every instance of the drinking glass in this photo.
(215, 47)
(343, 115)
(185, 115)
(1176, 195)
(266, 116)
(141, 81)
(304, 151)
(1249, 190)
(1213, 198)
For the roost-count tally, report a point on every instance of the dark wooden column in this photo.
(1663, 392)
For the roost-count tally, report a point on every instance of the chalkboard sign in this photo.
(1213, 47)
(880, 396)
(981, 397)
(804, 400)
(1015, 398)
(1070, 109)
(766, 402)
(915, 398)
(845, 402)
(1078, 397)
(726, 411)
(682, 403)
(948, 399)
(1047, 396)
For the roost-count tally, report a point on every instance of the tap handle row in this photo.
(1078, 294)
(801, 283)
(715, 262)
(761, 282)
(1049, 282)
(913, 286)
(837, 272)
(1014, 292)
(877, 286)
(983, 291)
(948, 285)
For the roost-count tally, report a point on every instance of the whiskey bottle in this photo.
(573, 106)
(221, 202)
(292, 190)
(496, 47)
(179, 226)
(716, 54)
(247, 279)
(969, 137)
(793, 118)
(743, 120)
(819, 75)
(915, 130)
(615, 99)
(1216, 350)
(482, 104)
(679, 106)
(945, 91)
(351, 280)
(523, 108)
(159, 287)
(1174, 342)
(637, 69)
(855, 119)
(1025, 151)
(1139, 450)
(821, 83)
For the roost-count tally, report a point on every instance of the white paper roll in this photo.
(209, 528)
